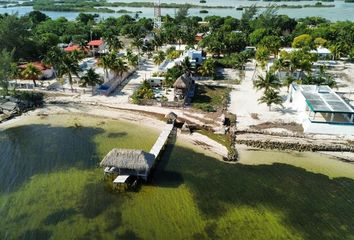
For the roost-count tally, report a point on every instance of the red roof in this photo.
(95, 43)
(40, 66)
(72, 48)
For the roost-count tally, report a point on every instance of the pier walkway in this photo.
(161, 141)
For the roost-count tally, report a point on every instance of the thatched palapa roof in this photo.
(129, 159)
(171, 115)
(183, 82)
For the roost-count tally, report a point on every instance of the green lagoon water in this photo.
(52, 188)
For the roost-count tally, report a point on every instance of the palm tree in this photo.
(91, 78)
(54, 57)
(31, 72)
(105, 62)
(133, 60)
(69, 65)
(114, 43)
(158, 41)
(119, 67)
(159, 57)
(208, 68)
(280, 64)
(186, 65)
(270, 97)
(262, 56)
(82, 44)
(138, 43)
(269, 81)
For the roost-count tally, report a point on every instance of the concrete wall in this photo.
(327, 128)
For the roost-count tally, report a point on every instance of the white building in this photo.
(321, 110)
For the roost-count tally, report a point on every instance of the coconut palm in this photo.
(138, 43)
(159, 57)
(54, 57)
(280, 64)
(8, 69)
(186, 65)
(114, 43)
(69, 65)
(31, 72)
(119, 67)
(105, 62)
(208, 68)
(270, 97)
(269, 81)
(82, 44)
(91, 78)
(157, 41)
(133, 59)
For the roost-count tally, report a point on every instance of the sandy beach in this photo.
(195, 139)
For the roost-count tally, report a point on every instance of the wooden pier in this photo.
(129, 163)
(161, 141)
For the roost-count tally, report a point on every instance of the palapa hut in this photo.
(171, 117)
(182, 86)
(129, 162)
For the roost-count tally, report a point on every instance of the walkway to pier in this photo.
(161, 141)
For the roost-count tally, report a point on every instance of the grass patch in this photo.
(210, 98)
(222, 139)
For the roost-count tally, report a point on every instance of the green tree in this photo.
(68, 65)
(133, 59)
(31, 72)
(119, 66)
(138, 43)
(272, 43)
(106, 62)
(262, 56)
(37, 17)
(270, 80)
(143, 92)
(159, 57)
(7, 67)
(303, 41)
(270, 97)
(186, 65)
(208, 68)
(91, 78)
(114, 43)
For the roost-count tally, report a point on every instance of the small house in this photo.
(47, 72)
(322, 53)
(321, 110)
(195, 56)
(182, 86)
(97, 46)
(129, 162)
(199, 37)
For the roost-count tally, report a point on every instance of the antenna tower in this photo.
(157, 15)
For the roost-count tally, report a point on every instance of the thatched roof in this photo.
(183, 82)
(129, 159)
(171, 115)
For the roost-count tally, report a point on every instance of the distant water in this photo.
(341, 12)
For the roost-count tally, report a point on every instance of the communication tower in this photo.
(157, 15)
